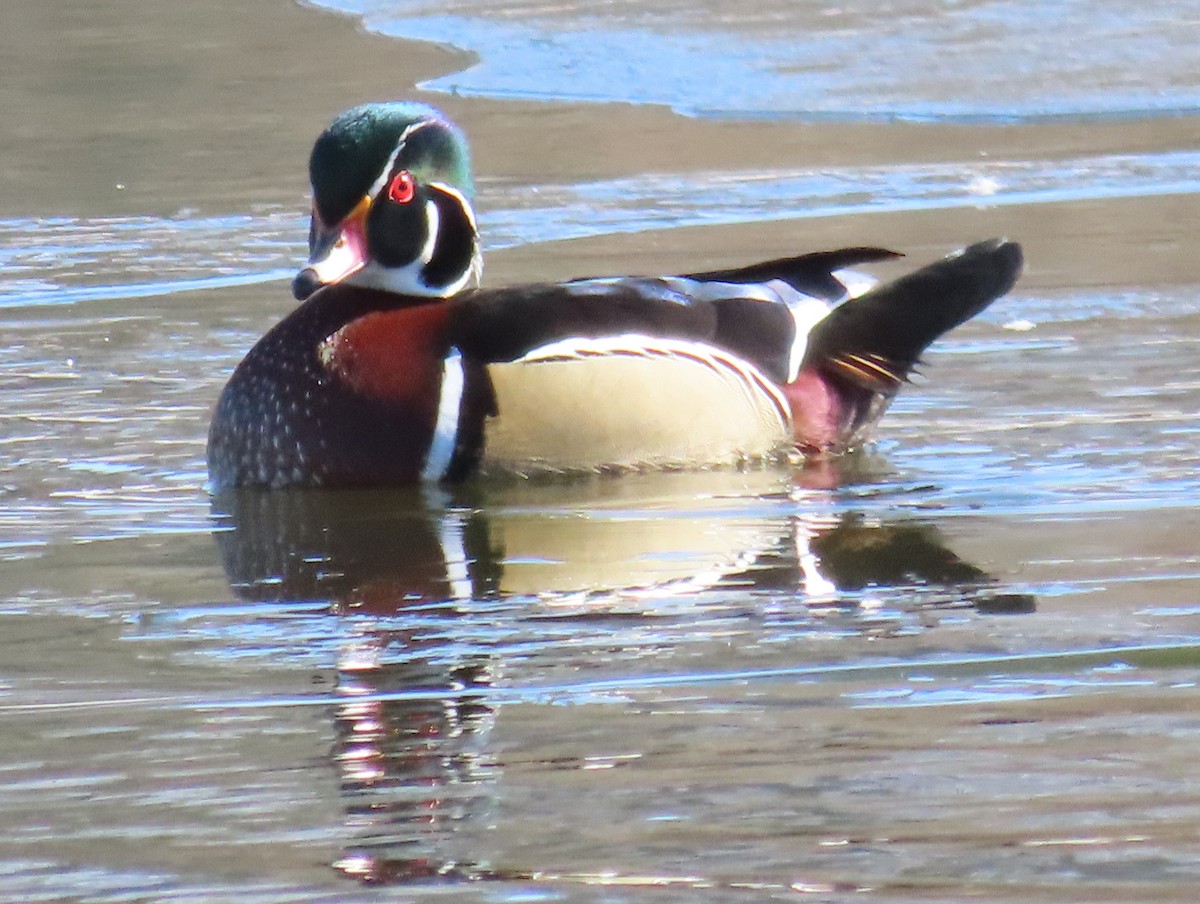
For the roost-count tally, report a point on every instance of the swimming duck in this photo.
(397, 368)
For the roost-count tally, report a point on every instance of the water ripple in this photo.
(65, 261)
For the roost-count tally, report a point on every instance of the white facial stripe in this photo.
(445, 432)
(475, 270)
(433, 219)
(382, 179)
(462, 201)
(407, 280)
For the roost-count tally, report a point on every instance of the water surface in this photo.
(961, 664)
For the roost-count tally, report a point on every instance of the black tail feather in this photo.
(892, 324)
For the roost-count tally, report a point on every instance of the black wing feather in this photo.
(498, 325)
(504, 324)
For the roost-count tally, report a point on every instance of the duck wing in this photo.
(749, 321)
(749, 311)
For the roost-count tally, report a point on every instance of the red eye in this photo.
(403, 187)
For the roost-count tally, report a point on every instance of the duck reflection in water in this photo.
(423, 579)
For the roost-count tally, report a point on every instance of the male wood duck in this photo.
(396, 368)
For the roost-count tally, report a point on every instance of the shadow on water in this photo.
(445, 591)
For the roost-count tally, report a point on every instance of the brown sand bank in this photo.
(126, 107)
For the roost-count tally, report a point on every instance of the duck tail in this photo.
(865, 349)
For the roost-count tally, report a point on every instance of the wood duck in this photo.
(397, 368)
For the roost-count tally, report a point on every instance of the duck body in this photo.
(360, 386)
(396, 368)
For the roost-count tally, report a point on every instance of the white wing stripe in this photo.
(856, 283)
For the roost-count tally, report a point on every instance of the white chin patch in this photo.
(397, 280)
(405, 280)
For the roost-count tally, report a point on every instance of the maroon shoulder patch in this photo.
(391, 356)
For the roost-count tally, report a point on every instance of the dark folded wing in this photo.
(501, 325)
(812, 274)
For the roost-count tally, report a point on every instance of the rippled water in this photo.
(63, 261)
(961, 664)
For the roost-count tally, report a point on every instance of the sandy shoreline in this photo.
(211, 109)
(208, 106)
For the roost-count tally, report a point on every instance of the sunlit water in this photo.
(914, 59)
(962, 663)
(63, 261)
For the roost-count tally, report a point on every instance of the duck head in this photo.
(392, 192)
